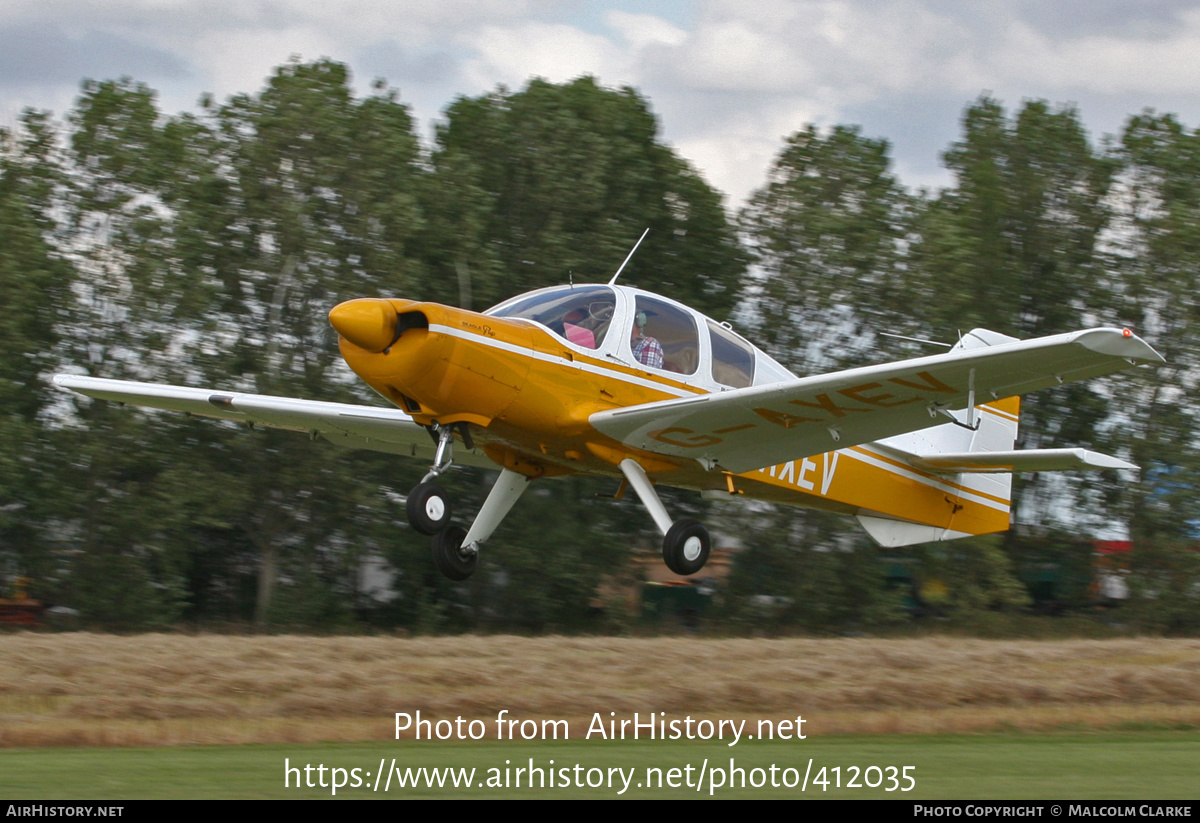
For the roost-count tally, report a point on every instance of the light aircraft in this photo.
(613, 380)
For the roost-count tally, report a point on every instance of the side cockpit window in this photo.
(664, 337)
(580, 315)
(732, 358)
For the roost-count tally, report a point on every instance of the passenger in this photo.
(646, 349)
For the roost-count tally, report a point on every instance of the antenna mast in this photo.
(631, 251)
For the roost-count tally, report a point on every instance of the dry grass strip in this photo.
(91, 689)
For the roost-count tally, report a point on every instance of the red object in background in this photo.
(21, 612)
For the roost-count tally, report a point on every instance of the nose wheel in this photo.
(428, 508)
(428, 505)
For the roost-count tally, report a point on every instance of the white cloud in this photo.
(1145, 64)
(237, 62)
(728, 83)
(737, 55)
(557, 52)
(645, 30)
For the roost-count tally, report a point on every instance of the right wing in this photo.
(758, 426)
(356, 427)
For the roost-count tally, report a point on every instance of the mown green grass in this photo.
(1095, 766)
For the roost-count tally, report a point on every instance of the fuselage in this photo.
(527, 374)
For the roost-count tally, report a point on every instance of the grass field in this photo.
(95, 716)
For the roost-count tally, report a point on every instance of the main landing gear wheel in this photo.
(449, 556)
(428, 508)
(686, 547)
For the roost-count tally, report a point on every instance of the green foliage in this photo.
(1158, 264)
(207, 249)
(116, 136)
(826, 232)
(558, 181)
(1057, 569)
(34, 284)
(1029, 207)
(797, 571)
(119, 591)
(1015, 247)
(33, 279)
(1164, 587)
(545, 568)
(969, 576)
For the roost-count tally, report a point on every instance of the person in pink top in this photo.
(577, 334)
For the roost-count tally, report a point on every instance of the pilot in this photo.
(646, 349)
(577, 333)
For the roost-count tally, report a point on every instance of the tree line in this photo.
(206, 248)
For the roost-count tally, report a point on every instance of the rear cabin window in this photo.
(732, 358)
(673, 329)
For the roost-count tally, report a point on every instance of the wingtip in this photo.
(1099, 460)
(1121, 343)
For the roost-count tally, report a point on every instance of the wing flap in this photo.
(749, 428)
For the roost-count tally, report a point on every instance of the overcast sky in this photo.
(728, 79)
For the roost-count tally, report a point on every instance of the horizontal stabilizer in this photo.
(1021, 460)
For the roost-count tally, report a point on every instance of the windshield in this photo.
(580, 315)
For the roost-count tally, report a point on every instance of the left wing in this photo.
(359, 427)
(749, 428)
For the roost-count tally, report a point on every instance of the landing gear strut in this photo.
(455, 549)
(428, 505)
(686, 544)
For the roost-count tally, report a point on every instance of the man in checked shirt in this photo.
(646, 349)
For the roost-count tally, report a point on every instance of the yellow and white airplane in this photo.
(613, 380)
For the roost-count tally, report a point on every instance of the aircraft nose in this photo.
(369, 323)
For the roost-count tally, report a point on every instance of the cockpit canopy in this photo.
(655, 333)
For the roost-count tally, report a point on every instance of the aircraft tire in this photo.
(448, 556)
(686, 547)
(428, 508)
